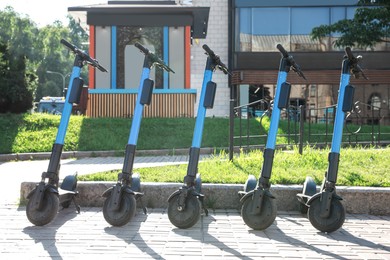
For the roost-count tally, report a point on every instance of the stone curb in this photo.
(84, 154)
(357, 200)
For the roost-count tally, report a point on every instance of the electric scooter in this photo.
(258, 207)
(44, 200)
(324, 209)
(185, 204)
(120, 204)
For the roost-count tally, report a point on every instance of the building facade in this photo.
(244, 33)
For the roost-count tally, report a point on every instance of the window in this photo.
(129, 58)
(374, 102)
(313, 111)
(313, 90)
(167, 43)
(259, 29)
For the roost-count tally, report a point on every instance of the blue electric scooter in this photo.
(258, 208)
(44, 200)
(185, 204)
(324, 209)
(120, 203)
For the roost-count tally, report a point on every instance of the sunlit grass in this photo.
(357, 167)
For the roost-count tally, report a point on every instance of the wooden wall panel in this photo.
(122, 105)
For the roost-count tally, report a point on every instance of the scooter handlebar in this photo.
(88, 59)
(155, 60)
(142, 48)
(282, 50)
(219, 64)
(291, 60)
(356, 70)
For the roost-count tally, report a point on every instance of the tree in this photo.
(27, 53)
(17, 85)
(369, 26)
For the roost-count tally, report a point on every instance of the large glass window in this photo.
(167, 43)
(261, 28)
(129, 58)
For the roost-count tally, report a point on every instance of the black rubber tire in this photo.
(335, 219)
(189, 216)
(250, 183)
(125, 213)
(47, 213)
(262, 220)
(309, 189)
(136, 183)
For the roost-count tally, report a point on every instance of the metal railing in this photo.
(305, 126)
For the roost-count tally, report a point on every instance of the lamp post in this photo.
(63, 80)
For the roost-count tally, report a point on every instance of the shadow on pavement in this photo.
(130, 233)
(46, 235)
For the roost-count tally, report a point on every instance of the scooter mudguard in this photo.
(193, 192)
(69, 183)
(126, 189)
(266, 193)
(257, 197)
(318, 195)
(36, 195)
(249, 185)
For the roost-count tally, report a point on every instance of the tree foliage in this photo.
(369, 26)
(27, 53)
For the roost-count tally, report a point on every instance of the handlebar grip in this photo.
(208, 50)
(216, 59)
(68, 44)
(349, 53)
(282, 50)
(142, 48)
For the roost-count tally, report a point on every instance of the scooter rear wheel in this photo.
(262, 220)
(333, 222)
(125, 213)
(198, 183)
(136, 182)
(250, 183)
(188, 216)
(46, 213)
(309, 189)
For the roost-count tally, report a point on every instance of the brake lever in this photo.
(298, 70)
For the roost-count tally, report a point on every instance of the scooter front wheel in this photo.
(46, 213)
(333, 222)
(261, 220)
(186, 217)
(125, 213)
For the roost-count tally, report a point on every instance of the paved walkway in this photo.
(221, 235)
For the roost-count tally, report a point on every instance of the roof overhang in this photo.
(127, 13)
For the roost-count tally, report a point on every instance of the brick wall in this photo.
(217, 40)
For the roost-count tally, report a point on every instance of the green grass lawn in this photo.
(37, 132)
(357, 167)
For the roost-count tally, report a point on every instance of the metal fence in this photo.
(305, 126)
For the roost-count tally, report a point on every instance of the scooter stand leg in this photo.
(142, 205)
(78, 208)
(201, 199)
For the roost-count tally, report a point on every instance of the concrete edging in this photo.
(357, 200)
